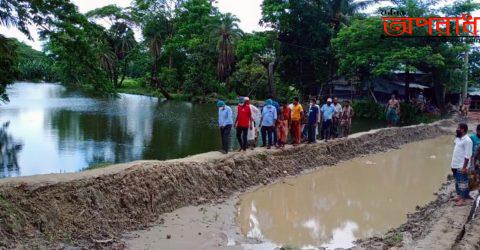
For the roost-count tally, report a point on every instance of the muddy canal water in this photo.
(359, 198)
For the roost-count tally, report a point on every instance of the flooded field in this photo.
(333, 207)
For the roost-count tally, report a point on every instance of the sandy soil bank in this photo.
(95, 208)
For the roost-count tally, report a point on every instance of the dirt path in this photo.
(95, 208)
(210, 226)
(436, 225)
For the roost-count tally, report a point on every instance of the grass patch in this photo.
(262, 156)
(97, 165)
(137, 87)
(395, 240)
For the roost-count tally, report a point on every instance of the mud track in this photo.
(437, 225)
(95, 208)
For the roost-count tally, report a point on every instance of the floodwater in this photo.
(333, 207)
(46, 128)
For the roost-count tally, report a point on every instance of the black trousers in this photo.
(312, 133)
(242, 137)
(275, 136)
(335, 127)
(267, 132)
(225, 133)
(326, 129)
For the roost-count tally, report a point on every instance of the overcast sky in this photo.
(248, 11)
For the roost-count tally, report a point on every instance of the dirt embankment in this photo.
(95, 210)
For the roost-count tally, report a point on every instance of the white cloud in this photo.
(248, 11)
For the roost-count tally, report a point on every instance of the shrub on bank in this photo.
(409, 113)
(368, 108)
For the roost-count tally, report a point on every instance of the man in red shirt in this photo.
(243, 122)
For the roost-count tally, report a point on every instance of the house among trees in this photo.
(381, 88)
(474, 94)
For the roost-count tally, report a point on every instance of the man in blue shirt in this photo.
(268, 121)
(225, 122)
(327, 116)
(313, 114)
(277, 107)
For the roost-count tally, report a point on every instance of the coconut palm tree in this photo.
(225, 32)
(155, 30)
(120, 38)
(122, 42)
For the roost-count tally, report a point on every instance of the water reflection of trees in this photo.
(9, 148)
(131, 129)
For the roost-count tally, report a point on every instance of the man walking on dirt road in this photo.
(313, 117)
(225, 122)
(327, 112)
(243, 122)
(268, 121)
(460, 159)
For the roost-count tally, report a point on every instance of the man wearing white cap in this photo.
(327, 115)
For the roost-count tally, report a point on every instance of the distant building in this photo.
(474, 94)
(381, 87)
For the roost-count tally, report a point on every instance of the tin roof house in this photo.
(380, 87)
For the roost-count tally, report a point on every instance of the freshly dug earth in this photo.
(95, 210)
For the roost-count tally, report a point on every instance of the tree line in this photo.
(189, 47)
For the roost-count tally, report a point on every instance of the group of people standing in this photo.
(275, 122)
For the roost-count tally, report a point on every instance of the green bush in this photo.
(369, 109)
(410, 115)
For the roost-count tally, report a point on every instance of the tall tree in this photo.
(192, 38)
(8, 71)
(226, 31)
(120, 38)
(76, 46)
(155, 32)
(305, 29)
(20, 14)
(157, 20)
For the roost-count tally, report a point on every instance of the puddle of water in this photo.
(359, 198)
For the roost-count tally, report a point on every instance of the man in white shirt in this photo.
(252, 134)
(460, 159)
